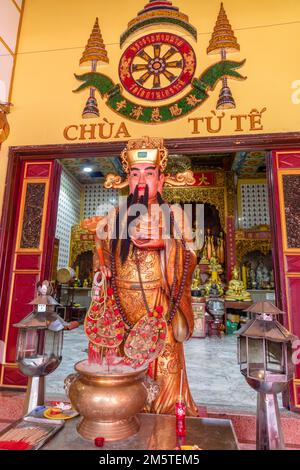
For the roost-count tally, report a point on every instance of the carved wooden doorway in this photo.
(33, 219)
(285, 182)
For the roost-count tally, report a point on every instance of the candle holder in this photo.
(180, 412)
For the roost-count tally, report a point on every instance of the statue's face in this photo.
(142, 174)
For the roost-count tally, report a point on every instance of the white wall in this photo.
(68, 215)
(98, 200)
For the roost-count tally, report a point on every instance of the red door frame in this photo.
(286, 163)
(187, 146)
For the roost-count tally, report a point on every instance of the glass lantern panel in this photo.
(275, 361)
(53, 343)
(256, 358)
(242, 351)
(27, 343)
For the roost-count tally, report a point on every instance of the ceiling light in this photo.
(87, 169)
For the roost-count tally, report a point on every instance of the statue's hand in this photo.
(105, 271)
(146, 229)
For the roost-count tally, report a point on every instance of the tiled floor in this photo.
(213, 372)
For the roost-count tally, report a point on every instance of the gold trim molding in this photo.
(77, 245)
(243, 247)
(213, 196)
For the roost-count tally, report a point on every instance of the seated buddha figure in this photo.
(213, 286)
(236, 288)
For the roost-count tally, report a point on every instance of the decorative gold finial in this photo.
(223, 37)
(95, 48)
(222, 41)
(94, 52)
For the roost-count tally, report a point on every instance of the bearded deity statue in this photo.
(149, 262)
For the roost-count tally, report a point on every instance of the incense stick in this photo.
(181, 380)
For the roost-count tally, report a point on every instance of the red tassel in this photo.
(94, 356)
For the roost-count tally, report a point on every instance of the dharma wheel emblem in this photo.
(157, 66)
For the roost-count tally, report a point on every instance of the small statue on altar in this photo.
(214, 282)
(236, 290)
(213, 287)
(214, 264)
(262, 275)
(220, 248)
(272, 283)
(209, 244)
(204, 259)
(253, 278)
(214, 291)
(265, 278)
(196, 282)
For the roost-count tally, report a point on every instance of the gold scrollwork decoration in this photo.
(113, 181)
(220, 178)
(78, 245)
(213, 196)
(186, 178)
(243, 247)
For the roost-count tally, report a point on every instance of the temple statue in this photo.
(209, 244)
(221, 248)
(236, 289)
(204, 259)
(214, 284)
(196, 282)
(150, 267)
(263, 276)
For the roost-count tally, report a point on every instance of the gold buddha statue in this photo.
(204, 258)
(236, 289)
(214, 282)
(214, 264)
(196, 282)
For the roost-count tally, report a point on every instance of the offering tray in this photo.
(29, 433)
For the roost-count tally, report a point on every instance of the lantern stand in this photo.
(265, 358)
(39, 344)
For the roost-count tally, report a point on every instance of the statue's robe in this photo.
(157, 269)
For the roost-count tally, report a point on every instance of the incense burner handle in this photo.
(68, 382)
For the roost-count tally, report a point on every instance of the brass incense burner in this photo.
(108, 401)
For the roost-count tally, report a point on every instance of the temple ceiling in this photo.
(244, 164)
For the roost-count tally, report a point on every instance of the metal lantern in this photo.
(39, 345)
(265, 358)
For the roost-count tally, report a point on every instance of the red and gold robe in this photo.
(157, 270)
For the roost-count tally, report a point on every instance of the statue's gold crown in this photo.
(145, 150)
